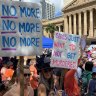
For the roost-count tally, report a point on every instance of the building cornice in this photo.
(78, 6)
(53, 21)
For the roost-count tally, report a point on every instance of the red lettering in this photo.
(59, 45)
(57, 53)
(72, 47)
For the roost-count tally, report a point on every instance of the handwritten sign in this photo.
(20, 28)
(65, 50)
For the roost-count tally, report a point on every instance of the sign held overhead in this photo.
(20, 29)
(65, 50)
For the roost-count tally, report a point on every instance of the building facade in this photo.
(79, 18)
(48, 9)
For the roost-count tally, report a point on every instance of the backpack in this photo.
(85, 79)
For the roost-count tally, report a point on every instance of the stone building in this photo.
(79, 17)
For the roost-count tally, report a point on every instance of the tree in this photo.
(51, 28)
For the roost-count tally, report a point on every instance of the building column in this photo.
(44, 31)
(66, 24)
(85, 23)
(80, 27)
(70, 25)
(75, 29)
(91, 24)
(59, 29)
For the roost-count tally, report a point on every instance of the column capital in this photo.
(74, 14)
(84, 11)
(91, 9)
(65, 16)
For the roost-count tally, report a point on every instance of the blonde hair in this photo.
(32, 61)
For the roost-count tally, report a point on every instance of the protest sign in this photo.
(65, 52)
(83, 42)
(20, 28)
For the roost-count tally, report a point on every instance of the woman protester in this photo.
(46, 79)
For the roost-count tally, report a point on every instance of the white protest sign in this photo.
(65, 52)
(20, 29)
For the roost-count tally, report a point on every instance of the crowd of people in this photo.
(50, 81)
(42, 80)
(7, 71)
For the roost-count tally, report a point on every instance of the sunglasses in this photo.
(26, 75)
(47, 70)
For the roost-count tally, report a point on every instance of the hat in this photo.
(46, 64)
(94, 70)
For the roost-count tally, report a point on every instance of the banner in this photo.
(65, 51)
(20, 28)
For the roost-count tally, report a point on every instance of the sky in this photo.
(59, 4)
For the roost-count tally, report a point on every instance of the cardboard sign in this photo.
(65, 52)
(20, 28)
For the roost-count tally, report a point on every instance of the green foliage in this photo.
(51, 28)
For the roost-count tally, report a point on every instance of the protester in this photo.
(17, 74)
(2, 87)
(70, 84)
(92, 84)
(46, 79)
(86, 76)
(3, 70)
(57, 77)
(28, 90)
(80, 70)
(9, 71)
(14, 91)
(34, 76)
